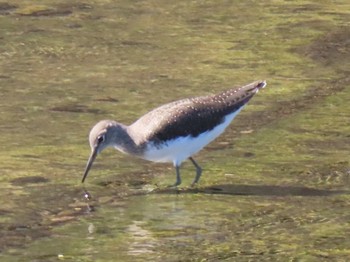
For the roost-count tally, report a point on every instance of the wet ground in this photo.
(275, 186)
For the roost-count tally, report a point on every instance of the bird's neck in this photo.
(124, 141)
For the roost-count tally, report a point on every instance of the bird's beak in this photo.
(90, 162)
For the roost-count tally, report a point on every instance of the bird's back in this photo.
(192, 116)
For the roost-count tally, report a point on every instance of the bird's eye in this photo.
(100, 139)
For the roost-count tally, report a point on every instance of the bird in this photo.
(175, 131)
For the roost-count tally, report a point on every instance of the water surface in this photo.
(275, 186)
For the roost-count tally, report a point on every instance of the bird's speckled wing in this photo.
(191, 117)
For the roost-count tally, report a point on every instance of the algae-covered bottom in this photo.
(275, 185)
(228, 222)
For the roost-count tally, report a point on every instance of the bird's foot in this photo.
(174, 185)
(194, 184)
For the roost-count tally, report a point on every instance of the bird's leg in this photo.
(198, 172)
(178, 177)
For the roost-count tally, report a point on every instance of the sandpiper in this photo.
(175, 131)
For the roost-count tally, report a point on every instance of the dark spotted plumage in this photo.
(192, 116)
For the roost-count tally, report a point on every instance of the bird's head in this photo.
(100, 137)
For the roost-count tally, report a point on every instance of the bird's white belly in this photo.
(179, 149)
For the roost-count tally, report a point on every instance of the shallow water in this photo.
(275, 186)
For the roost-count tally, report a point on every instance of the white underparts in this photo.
(179, 149)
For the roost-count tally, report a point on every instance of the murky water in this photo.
(275, 186)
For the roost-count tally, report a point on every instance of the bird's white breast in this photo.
(179, 149)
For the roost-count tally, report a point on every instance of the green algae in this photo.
(275, 186)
